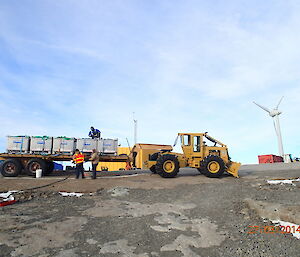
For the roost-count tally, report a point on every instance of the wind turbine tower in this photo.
(274, 113)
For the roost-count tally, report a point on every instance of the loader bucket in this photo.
(233, 169)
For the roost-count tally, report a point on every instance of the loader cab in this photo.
(192, 144)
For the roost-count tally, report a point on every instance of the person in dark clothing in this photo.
(94, 133)
(78, 158)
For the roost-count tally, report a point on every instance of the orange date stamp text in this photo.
(273, 229)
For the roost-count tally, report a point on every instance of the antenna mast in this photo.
(135, 129)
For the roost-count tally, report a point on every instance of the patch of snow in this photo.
(119, 191)
(71, 194)
(283, 181)
(91, 241)
(8, 196)
(292, 225)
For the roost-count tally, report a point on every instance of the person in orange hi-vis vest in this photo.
(78, 158)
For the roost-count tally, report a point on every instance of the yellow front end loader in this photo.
(211, 161)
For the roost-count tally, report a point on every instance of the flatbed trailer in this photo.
(15, 163)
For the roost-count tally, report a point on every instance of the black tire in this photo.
(200, 170)
(50, 167)
(212, 166)
(11, 168)
(153, 170)
(167, 166)
(34, 164)
(154, 156)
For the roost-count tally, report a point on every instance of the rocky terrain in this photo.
(142, 214)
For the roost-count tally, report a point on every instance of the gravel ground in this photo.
(141, 214)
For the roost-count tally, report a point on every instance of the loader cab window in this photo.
(196, 143)
(186, 140)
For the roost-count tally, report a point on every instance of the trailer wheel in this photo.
(167, 166)
(50, 167)
(212, 166)
(34, 164)
(11, 168)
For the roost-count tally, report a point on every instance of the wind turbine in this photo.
(274, 113)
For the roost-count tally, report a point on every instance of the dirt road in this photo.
(141, 214)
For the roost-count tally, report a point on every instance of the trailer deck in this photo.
(15, 163)
(60, 157)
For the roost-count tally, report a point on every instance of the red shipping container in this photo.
(269, 158)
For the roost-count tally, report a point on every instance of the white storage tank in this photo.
(108, 146)
(86, 145)
(18, 144)
(41, 144)
(64, 145)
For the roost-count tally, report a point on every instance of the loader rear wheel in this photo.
(154, 156)
(34, 164)
(200, 170)
(212, 166)
(11, 168)
(153, 170)
(167, 166)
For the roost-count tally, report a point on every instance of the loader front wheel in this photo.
(167, 166)
(212, 166)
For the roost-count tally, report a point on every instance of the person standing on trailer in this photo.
(78, 158)
(95, 160)
(94, 133)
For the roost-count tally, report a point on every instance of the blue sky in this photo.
(181, 66)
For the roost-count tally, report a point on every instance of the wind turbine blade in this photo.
(264, 108)
(279, 103)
